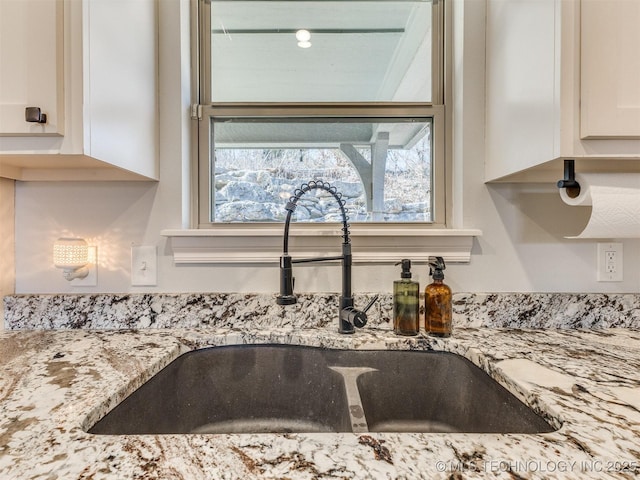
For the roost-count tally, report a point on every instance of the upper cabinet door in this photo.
(610, 69)
(31, 66)
(562, 81)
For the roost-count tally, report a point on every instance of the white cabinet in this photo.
(107, 108)
(31, 60)
(533, 90)
(610, 69)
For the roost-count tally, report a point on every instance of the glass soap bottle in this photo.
(437, 301)
(406, 302)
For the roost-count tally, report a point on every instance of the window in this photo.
(345, 91)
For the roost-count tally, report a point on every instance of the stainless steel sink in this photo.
(286, 388)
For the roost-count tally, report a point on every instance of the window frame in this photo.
(257, 245)
(204, 110)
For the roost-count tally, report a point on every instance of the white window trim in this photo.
(372, 243)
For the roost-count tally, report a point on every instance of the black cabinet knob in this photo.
(35, 115)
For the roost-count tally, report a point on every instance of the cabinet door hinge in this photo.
(196, 112)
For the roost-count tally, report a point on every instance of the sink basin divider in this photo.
(356, 411)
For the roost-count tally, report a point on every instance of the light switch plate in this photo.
(144, 266)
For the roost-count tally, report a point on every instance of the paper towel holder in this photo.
(569, 181)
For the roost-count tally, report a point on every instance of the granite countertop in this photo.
(56, 384)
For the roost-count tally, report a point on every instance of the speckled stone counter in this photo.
(241, 310)
(56, 384)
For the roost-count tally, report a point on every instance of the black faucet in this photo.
(348, 316)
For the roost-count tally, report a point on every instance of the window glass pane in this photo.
(321, 51)
(382, 167)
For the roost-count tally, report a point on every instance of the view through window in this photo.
(374, 68)
(386, 178)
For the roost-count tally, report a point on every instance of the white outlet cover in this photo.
(144, 266)
(603, 274)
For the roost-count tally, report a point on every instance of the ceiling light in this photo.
(303, 36)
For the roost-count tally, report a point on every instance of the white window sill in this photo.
(262, 244)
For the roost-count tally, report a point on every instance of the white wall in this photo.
(522, 248)
(7, 237)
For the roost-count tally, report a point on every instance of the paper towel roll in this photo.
(615, 202)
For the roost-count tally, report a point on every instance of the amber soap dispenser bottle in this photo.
(437, 301)
(406, 302)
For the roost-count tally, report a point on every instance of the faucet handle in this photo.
(370, 304)
(354, 317)
(359, 319)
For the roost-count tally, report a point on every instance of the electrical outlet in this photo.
(610, 262)
(144, 265)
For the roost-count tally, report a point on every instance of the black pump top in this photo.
(406, 268)
(436, 267)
